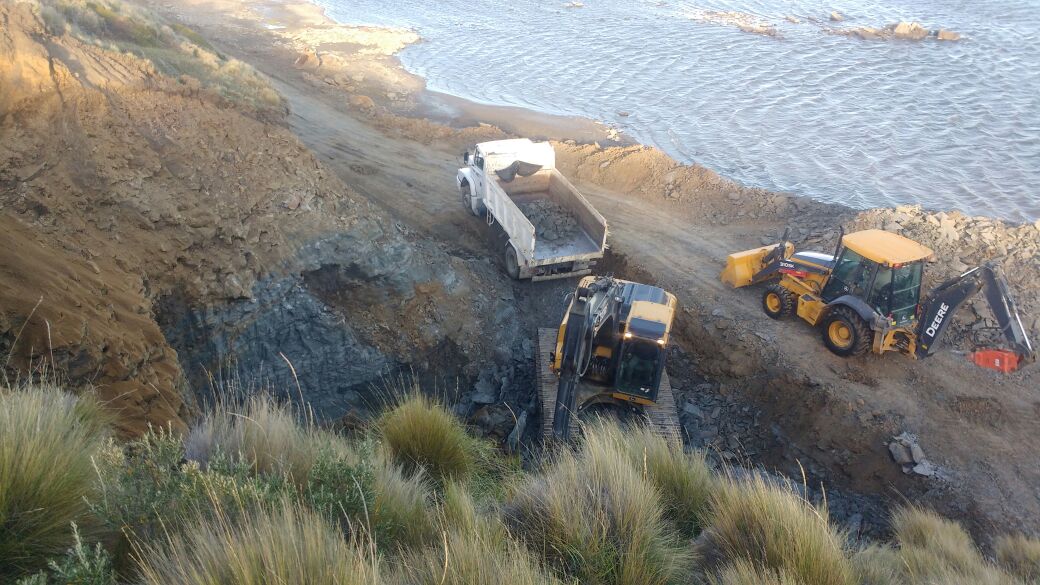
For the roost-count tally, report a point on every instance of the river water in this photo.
(948, 125)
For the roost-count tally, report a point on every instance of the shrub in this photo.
(766, 523)
(597, 520)
(1020, 555)
(422, 435)
(81, 565)
(283, 543)
(47, 441)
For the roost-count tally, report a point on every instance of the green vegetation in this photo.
(257, 493)
(172, 49)
(47, 442)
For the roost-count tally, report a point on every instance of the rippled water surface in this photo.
(865, 123)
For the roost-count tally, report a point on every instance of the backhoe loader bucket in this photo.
(741, 267)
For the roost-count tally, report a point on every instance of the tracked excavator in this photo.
(867, 296)
(610, 348)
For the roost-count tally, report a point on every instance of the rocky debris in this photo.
(906, 452)
(551, 222)
(748, 23)
(836, 16)
(910, 31)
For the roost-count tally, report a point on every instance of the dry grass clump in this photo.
(745, 573)
(595, 518)
(1020, 555)
(768, 524)
(401, 506)
(47, 441)
(936, 550)
(683, 478)
(269, 436)
(473, 548)
(281, 544)
(422, 436)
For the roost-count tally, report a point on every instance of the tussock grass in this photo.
(422, 435)
(47, 442)
(683, 478)
(473, 548)
(1020, 555)
(768, 524)
(936, 550)
(401, 508)
(879, 565)
(745, 573)
(283, 544)
(595, 518)
(269, 436)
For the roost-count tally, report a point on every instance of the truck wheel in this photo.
(512, 266)
(465, 192)
(845, 333)
(778, 302)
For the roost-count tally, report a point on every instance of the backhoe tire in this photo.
(778, 302)
(845, 333)
(511, 264)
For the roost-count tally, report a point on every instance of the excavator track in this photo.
(661, 416)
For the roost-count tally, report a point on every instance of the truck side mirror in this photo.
(465, 157)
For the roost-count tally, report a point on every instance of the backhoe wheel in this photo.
(778, 302)
(512, 266)
(845, 333)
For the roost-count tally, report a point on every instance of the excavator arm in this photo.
(947, 298)
(588, 312)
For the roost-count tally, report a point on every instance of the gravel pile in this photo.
(551, 222)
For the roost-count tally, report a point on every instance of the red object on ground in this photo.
(1000, 360)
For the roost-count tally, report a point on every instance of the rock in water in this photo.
(947, 35)
(836, 16)
(909, 30)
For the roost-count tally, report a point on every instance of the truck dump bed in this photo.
(549, 218)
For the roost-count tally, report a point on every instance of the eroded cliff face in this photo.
(154, 229)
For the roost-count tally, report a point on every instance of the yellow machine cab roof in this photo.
(886, 247)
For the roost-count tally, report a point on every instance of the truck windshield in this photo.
(638, 369)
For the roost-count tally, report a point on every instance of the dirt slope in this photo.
(674, 225)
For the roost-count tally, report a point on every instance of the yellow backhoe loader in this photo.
(867, 296)
(611, 347)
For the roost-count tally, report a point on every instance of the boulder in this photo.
(909, 30)
(947, 35)
(900, 453)
(836, 16)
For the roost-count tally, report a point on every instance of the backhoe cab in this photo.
(867, 296)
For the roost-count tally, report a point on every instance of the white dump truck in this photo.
(552, 229)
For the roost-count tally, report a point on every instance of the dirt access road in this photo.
(837, 413)
(673, 226)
